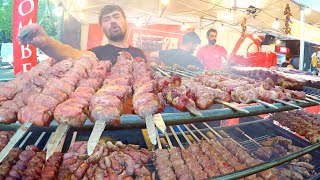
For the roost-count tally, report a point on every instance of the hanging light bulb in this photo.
(307, 11)
(255, 36)
(58, 11)
(276, 24)
(165, 2)
(184, 27)
(138, 22)
(278, 41)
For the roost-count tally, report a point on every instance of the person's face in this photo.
(114, 26)
(192, 47)
(212, 38)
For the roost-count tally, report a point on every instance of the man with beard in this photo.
(114, 25)
(181, 56)
(211, 54)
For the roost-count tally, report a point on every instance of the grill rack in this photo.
(266, 129)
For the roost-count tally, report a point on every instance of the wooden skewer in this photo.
(183, 134)
(211, 129)
(197, 139)
(39, 139)
(234, 107)
(151, 127)
(25, 140)
(159, 141)
(297, 100)
(224, 134)
(168, 139)
(243, 133)
(204, 136)
(175, 72)
(265, 104)
(312, 100)
(286, 103)
(176, 137)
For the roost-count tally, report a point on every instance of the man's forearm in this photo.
(59, 51)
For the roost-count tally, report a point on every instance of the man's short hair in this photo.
(210, 31)
(107, 9)
(191, 37)
(288, 56)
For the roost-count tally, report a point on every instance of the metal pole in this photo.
(301, 62)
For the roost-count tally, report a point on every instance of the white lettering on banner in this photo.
(20, 24)
(135, 39)
(24, 66)
(170, 43)
(25, 48)
(31, 7)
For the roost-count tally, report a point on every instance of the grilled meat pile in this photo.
(111, 161)
(245, 90)
(301, 122)
(279, 146)
(205, 159)
(5, 137)
(286, 79)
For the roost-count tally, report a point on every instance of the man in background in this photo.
(181, 56)
(211, 54)
(287, 63)
(114, 25)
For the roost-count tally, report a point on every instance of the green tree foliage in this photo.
(45, 17)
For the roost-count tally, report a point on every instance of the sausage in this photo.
(94, 158)
(120, 145)
(126, 161)
(107, 161)
(99, 174)
(73, 168)
(81, 170)
(91, 170)
(111, 146)
(115, 165)
(102, 164)
(112, 174)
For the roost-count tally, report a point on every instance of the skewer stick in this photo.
(211, 129)
(224, 134)
(183, 134)
(234, 107)
(243, 133)
(297, 100)
(198, 140)
(14, 139)
(204, 136)
(95, 135)
(159, 142)
(313, 96)
(168, 139)
(176, 137)
(193, 110)
(286, 103)
(74, 136)
(151, 129)
(55, 140)
(184, 69)
(39, 139)
(210, 135)
(25, 140)
(157, 118)
(265, 104)
(45, 147)
(312, 100)
(175, 72)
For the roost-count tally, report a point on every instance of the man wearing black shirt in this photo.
(287, 63)
(114, 25)
(183, 55)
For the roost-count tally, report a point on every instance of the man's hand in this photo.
(33, 34)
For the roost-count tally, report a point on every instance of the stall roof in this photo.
(197, 13)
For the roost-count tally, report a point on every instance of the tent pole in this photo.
(301, 61)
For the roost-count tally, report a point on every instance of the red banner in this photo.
(25, 56)
(148, 38)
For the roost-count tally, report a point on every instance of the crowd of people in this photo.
(114, 25)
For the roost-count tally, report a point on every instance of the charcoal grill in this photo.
(258, 130)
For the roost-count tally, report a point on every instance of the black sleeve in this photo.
(164, 54)
(197, 63)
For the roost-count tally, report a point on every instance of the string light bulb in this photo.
(276, 24)
(255, 36)
(307, 11)
(165, 2)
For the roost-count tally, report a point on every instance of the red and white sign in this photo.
(282, 50)
(25, 56)
(148, 38)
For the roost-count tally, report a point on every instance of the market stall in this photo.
(134, 119)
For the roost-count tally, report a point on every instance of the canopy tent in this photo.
(260, 14)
